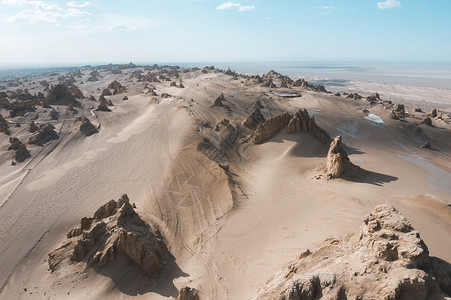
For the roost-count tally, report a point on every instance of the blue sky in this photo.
(97, 31)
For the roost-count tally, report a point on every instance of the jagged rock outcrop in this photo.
(173, 83)
(33, 127)
(103, 105)
(269, 84)
(21, 152)
(386, 259)
(302, 83)
(218, 102)
(427, 121)
(21, 108)
(117, 88)
(181, 85)
(373, 97)
(433, 113)
(338, 163)
(4, 127)
(87, 128)
(115, 229)
(229, 72)
(54, 115)
(106, 92)
(354, 96)
(57, 94)
(187, 293)
(75, 91)
(227, 131)
(301, 121)
(45, 134)
(398, 111)
(270, 127)
(254, 119)
(125, 98)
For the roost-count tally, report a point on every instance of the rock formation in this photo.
(45, 134)
(57, 94)
(173, 83)
(87, 128)
(373, 97)
(181, 85)
(117, 88)
(398, 111)
(21, 152)
(301, 121)
(338, 163)
(354, 96)
(75, 91)
(218, 102)
(269, 84)
(103, 105)
(21, 108)
(187, 293)
(270, 128)
(386, 259)
(54, 115)
(427, 121)
(116, 229)
(106, 92)
(125, 98)
(254, 119)
(4, 127)
(433, 113)
(33, 127)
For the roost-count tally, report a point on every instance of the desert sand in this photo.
(231, 211)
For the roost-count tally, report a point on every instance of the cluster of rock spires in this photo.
(44, 134)
(297, 122)
(87, 128)
(386, 259)
(218, 102)
(4, 127)
(21, 152)
(115, 229)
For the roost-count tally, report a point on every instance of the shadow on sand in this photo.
(130, 279)
(369, 177)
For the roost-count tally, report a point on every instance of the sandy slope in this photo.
(227, 239)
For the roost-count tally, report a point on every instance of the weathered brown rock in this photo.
(373, 97)
(54, 115)
(45, 134)
(254, 119)
(117, 88)
(433, 113)
(427, 121)
(173, 83)
(116, 229)
(181, 85)
(269, 84)
(386, 259)
(87, 128)
(4, 127)
(103, 105)
(33, 127)
(125, 98)
(21, 152)
(218, 102)
(338, 163)
(106, 92)
(75, 91)
(270, 128)
(187, 293)
(59, 93)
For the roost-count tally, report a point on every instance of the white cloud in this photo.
(388, 4)
(237, 6)
(74, 4)
(327, 9)
(42, 12)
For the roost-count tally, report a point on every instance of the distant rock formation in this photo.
(87, 128)
(33, 127)
(181, 85)
(302, 83)
(125, 98)
(21, 152)
(75, 91)
(106, 92)
(4, 127)
(427, 121)
(373, 97)
(433, 113)
(117, 88)
(21, 108)
(45, 134)
(230, 72)
(54, 115)
(386, 259)
(103, 105)
(116, 229)
(338, 163)
(218, 102)
(269, 84)
(92, 98)
(187, 293)
(57, 94)
(173, 83)
(254, 119)
(398, 111)
(354, 96)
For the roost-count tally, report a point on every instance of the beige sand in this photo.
(227, 240)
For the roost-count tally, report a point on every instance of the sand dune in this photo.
(231, 213)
